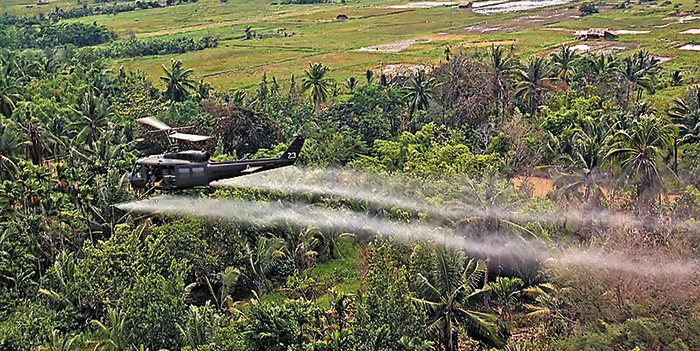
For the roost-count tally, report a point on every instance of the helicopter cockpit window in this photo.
(155, 174)
(196, 171)
(183, 172)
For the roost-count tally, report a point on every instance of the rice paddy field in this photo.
(380, 34)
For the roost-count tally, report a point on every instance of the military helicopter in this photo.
(192, 168)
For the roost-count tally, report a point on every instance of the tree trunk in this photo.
(675, 155)
(640, 199)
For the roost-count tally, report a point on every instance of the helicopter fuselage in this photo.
(189, 169)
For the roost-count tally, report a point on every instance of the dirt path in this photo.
(519, 23)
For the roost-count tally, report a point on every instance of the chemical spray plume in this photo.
(265, 214)
(410, 194)
(283, 213)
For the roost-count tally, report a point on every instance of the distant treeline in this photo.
(19, 33)
(145, 47)
(22, 33)
(85, 10)
(288, 2)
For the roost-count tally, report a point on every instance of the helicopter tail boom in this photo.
(293, 150)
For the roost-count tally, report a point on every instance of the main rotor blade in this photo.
(154, 123)
(188, 137)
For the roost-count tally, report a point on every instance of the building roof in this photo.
(600, 31)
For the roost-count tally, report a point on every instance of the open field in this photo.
(381, 33)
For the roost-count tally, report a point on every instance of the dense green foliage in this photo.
(20, 33)
(77, 272)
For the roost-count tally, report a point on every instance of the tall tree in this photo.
(350, 84)
(637, 72)
(318, 83)
(454, 284)
(602, 65)
(94, 113)
(11, 145)
(564, 60)
(178, 81)
(262, 259)
(534, 80)
(9, 93)
(685, 113)
(639, 152)
(502, 67)
(419, 92)
(586, 162)
(369, 76)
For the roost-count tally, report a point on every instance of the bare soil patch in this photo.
(487, 3)
(693, 47)
(401, 69)
(520, 23)
(682, 20)
(663, 59)
(540, 186)
(517, 6)
(691, 31)
(422, 5)
(633, 32)
(393, 47)
(602, 46)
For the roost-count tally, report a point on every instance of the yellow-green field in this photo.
(318, 37)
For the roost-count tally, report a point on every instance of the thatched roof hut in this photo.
(598, 33)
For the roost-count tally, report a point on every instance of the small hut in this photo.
(599, 33)
(465, 5)
(341, 17)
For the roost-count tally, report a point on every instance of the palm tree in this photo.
(502, 67)
(237, 97)
(9, 93)
(564, 60)
(369, 76)
(178, 81)
(198, 328)
(202, 90)
(319, 84)
(534, 81)
(419, 92)
(115, 336)
(685, 113)
(676, 78)
(637, 72)
(488, 207)
(59, 343)
(603, 65)
(305, 248)
(262, 259)
(454, 283)
(586, 159)
(639, 152)
(95, 114)
(549, 304)
(507, 292)
(11, 146)
(350, 84)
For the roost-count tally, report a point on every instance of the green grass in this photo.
(319, 38)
